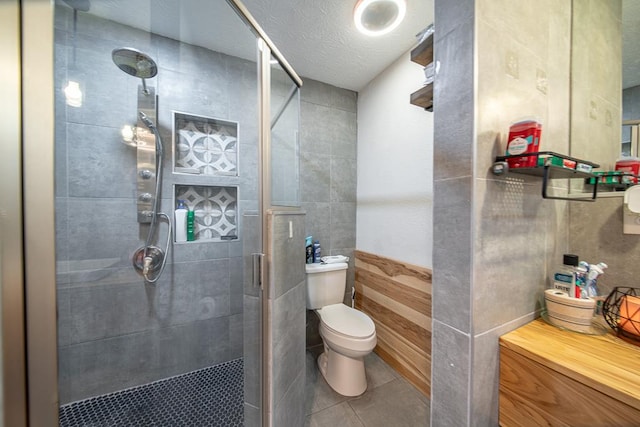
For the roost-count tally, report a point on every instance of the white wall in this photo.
(395, 167)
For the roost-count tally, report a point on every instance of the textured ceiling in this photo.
(317, 37)
(320, 41)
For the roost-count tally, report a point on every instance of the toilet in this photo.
(348, 334)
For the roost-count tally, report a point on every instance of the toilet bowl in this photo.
(348, 336)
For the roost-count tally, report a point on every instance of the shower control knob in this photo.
(145, 174)
(145, 197)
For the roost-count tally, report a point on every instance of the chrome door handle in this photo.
(257, 269)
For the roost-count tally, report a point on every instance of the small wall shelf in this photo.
(423, 55)
(547, 170)
(216, 210)
(423, 97)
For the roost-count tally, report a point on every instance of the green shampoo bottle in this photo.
(190, 226)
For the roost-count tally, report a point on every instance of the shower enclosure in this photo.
(190, 334)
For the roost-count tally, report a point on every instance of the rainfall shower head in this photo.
(134, 62)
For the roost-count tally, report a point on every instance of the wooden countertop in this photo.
(605, 363)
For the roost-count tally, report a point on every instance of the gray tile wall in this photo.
(328, 146)
(494, 239)
(115, 331)
(287, 318)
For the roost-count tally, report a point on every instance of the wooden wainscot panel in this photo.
(397, 296)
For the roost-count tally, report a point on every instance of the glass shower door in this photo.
(163, 345)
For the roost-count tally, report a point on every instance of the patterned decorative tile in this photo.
(216, 210)
(204, 145)
(206, 397)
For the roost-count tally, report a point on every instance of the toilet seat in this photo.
(345, 321)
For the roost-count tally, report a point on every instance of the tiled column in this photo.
(494, 237)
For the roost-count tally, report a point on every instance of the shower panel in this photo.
(149, 260)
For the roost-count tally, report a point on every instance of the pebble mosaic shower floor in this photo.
(208, 397)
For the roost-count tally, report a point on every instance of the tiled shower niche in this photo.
(204, 145)
(215, 208)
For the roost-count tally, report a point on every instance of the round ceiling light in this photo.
(378, 17)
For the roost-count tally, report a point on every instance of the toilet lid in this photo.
(347, 321)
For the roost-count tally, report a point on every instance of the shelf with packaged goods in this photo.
(615, 181)
(423, 55)
(550, 165)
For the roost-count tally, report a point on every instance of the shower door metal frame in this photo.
(13, 388)
(37, 19)
(266, 50)
(34, 384)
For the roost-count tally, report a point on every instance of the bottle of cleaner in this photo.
(309, 249)
(317, 251)
(181, 222)
(564, 276)
(190, 226)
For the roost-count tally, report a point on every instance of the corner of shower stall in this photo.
(182, 344)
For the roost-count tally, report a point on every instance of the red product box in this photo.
(630, 166)
(524, 138)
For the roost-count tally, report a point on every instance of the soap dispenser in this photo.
(631, 221)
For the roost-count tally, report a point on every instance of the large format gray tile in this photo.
(343, 180)
(103, 366)
(449, 376)
(396, 403)
(289, 411)
(451, 14)
(512, 212)
(343, 225)
(288, 351)
(288, 253)
(313, 139)
(377, 371)
(338, 415)
(252, 416)
(315, 177)
(316, 92)
(195, 291)
(109, 95)
(318, 394)
(98, 164)
(102, 229)
(453, 105)
(452, 261)
(486, 372)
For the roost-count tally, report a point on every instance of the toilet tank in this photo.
(325, 284)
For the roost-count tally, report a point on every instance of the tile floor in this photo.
(390, 400)
(207, 397)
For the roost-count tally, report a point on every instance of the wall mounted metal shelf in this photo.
(545, 168)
